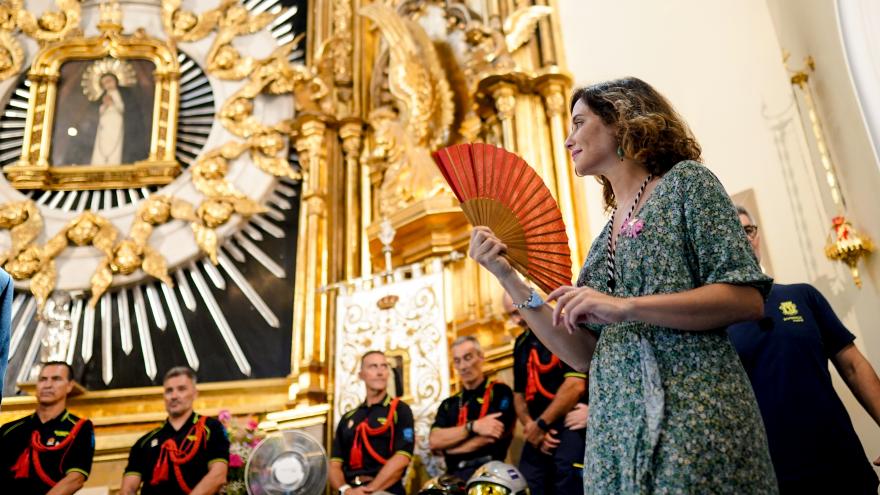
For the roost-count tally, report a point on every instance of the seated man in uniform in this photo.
(187, 454)
(374, 442)
(545, 391)
(51, 450)
(813, 445)
(475, 425)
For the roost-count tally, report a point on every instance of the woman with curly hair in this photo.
(671, 409)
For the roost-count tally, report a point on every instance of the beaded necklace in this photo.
(609, 259)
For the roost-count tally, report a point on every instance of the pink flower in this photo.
(633, 228)
(224, 416)
(252, 424)
(235, 461)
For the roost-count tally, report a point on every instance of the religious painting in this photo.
(103, 114)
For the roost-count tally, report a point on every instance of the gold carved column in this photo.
(310, 309)
(504, 96)
(553, 91)
(351, 134)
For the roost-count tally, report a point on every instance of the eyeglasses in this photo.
(751, 230)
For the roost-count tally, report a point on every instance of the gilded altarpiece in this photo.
(306, 124)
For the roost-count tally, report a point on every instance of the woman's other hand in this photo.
(487, 250)
(575, 305)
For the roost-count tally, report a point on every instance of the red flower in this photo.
(235, 461)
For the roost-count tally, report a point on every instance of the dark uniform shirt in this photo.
(812, 441)
(500, 400)
(376, 417)
(550, 380)
(76, 457)
(145, 453)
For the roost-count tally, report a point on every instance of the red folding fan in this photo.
(500, 190)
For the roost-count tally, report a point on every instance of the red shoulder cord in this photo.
(535, 369)
(171, 453)
(21, 468)
(362, 434)
(487, 398)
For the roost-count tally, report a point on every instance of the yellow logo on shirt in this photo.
(790, 312)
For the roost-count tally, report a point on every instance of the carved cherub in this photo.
(424, 113)
(492, 48)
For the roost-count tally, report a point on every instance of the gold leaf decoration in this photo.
(11, 55)
(24, 222)
(183, 25)
(53, 25)
(520, 25)
(100, 282)
(206, 238)
(154, 264)
(43, 283)
(182, 210)
(247, 207)
(224, 60)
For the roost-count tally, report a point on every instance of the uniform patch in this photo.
(790, 312)
(408, 434)
(350, 424)
(505, 403)
(50, 442)
(154, 443)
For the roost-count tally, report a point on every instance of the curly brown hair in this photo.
(647, 128)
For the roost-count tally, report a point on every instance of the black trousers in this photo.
(559, 473)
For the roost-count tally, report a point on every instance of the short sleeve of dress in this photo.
(718, 248)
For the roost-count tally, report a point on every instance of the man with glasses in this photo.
(475, 425)
(812, 442)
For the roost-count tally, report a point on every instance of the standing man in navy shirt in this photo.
(812, 441)
(545, 392)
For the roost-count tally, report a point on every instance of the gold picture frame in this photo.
(97, 61)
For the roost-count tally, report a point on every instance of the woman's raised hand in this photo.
(487, 250)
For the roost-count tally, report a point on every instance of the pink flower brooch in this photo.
(632, 228)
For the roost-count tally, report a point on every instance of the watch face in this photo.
(229, 321)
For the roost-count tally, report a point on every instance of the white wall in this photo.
(720, 63)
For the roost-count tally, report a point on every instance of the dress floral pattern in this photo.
(672, 411)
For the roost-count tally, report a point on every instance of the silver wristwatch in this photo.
(532, 302)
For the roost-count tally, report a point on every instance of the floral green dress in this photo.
(672, 411)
